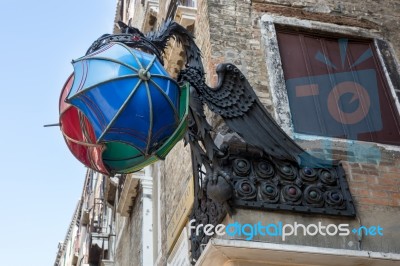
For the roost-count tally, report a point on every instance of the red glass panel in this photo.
(79, 134)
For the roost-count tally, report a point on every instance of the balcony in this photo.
(186, 13)
(107, 263)
(85, 217)
(98, 249)
(150, 10)
(110, 190)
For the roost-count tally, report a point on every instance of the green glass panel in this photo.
(118, 156)
(171, 142)
(140, 166)
(124, 158)
(180, 131)
(184, 100)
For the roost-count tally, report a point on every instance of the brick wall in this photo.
(235, 37)
(376, 184)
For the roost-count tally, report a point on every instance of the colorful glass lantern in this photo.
(120, 110)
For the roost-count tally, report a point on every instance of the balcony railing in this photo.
(188, 3)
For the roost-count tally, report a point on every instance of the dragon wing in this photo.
(236, 102)
(171, 29)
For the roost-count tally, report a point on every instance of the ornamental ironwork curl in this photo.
(308, 175)
(334, 198)
(264, 169)
(313, 196)
(287, 172)
(245, 189)
(328, 176)
(241, 167)
(291, 194)
(269, 192)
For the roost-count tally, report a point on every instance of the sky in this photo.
(41, 181)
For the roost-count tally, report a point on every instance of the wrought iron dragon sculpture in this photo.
(268, 171)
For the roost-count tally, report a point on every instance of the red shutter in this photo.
(336, 88)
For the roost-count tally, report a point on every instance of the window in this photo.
(335, 85)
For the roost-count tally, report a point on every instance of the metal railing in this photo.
(188, 3)
(175, 3)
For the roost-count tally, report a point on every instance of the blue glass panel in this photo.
(94, 72)
(143, 57)
(83, 104)
(132, 125)
(101, 103)
(118, 52)
(157, 68)
(170, 88)
(80, 71)
(165, 124)
(101, 70)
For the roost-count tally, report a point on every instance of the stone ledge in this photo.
(239, 252)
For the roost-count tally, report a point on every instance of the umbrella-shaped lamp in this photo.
(120, 110)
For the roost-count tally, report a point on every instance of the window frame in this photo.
(276, 80)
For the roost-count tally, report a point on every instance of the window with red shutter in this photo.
(336, 88)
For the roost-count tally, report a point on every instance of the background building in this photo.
(91, 236)
(289, 51)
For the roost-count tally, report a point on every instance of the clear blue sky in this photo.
(41, 181)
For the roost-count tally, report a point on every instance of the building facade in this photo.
(328, 72)
(89, 239)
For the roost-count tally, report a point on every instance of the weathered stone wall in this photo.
(129, 229)
(160, 239)
(178, 170)
(382, 15)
